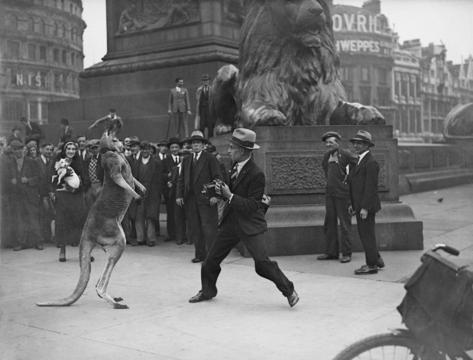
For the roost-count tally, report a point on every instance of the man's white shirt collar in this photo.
(362, 156)
(241, 164)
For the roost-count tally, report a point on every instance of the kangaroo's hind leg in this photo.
(114, 252)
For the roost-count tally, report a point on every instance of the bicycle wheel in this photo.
(387, 347)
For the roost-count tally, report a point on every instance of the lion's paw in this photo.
(264, 115)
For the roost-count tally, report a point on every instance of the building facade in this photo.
(364, 41)
(407, 98)
(41, 57)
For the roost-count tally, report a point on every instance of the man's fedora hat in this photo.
(197, 135)
(146, 145)
(163, 143)
(134, 140)
(330, 134)
(93, 143)
(16, 144)
(205, 77)
(174, 140)
(363, 136)
(244, 138)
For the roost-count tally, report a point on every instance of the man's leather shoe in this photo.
(151, 243)
(366, 270)
(196, 260)
(380, 263)
(293, 299)
(199, 297)
(345, 259)
(327, 257)
(18, 248)
(39, 247)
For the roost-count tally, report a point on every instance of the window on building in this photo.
(63, 31)
(73, 58)
(30, 25)
(365, 94)
(42, 53)
(56, 55)
(365, 74)
(56, 29)
(31, 52)
(13, 110)
(412, 86)
(64, 57)
(404, 87)
(383, 76)
(13, 49)
(418, 121)
(12, 22)
(33, 107)
(384, 96)
(349, 92)
(412, 121)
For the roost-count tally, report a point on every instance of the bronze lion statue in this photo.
(288, 68)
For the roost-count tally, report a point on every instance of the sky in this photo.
(439, 21)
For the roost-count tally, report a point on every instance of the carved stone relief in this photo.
(140, 15)
(303, 173)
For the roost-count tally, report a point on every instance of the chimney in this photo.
(373, 6)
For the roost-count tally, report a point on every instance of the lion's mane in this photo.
(288, 67)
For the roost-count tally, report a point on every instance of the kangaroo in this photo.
(103, 224)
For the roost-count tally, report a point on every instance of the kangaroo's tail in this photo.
(84, 258)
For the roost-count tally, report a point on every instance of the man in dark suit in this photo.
(170, 162)
(202, 108)
(243, 220)
(145, 211)
(24, 176)
(363, 184)
(179, 108)
(46, 215)
(32, 131)
(66, 132)
(336, 163)
(201, 212)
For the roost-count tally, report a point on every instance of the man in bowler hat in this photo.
(243, 219)
(365, 203)
(201, 212)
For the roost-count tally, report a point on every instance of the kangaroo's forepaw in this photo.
(120, 306)
(118, 299)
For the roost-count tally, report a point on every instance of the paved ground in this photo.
(248, 320)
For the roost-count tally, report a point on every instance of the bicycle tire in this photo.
(379, 344)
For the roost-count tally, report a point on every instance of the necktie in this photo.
(93, 170)
(234, 173)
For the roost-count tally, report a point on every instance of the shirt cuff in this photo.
(230, 199)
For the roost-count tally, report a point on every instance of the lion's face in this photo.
(299, 16)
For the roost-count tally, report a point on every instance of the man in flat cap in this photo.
(365, 203)
(202, 114)
(336, 164)
(243, 220)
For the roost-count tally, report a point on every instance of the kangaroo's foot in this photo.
(114, 301)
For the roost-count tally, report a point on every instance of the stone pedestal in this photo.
(292, 161)
(149, 44)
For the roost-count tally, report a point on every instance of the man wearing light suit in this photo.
(243, 220)
(179, 108)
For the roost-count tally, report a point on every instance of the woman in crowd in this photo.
(31, 150)
(69, 197)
